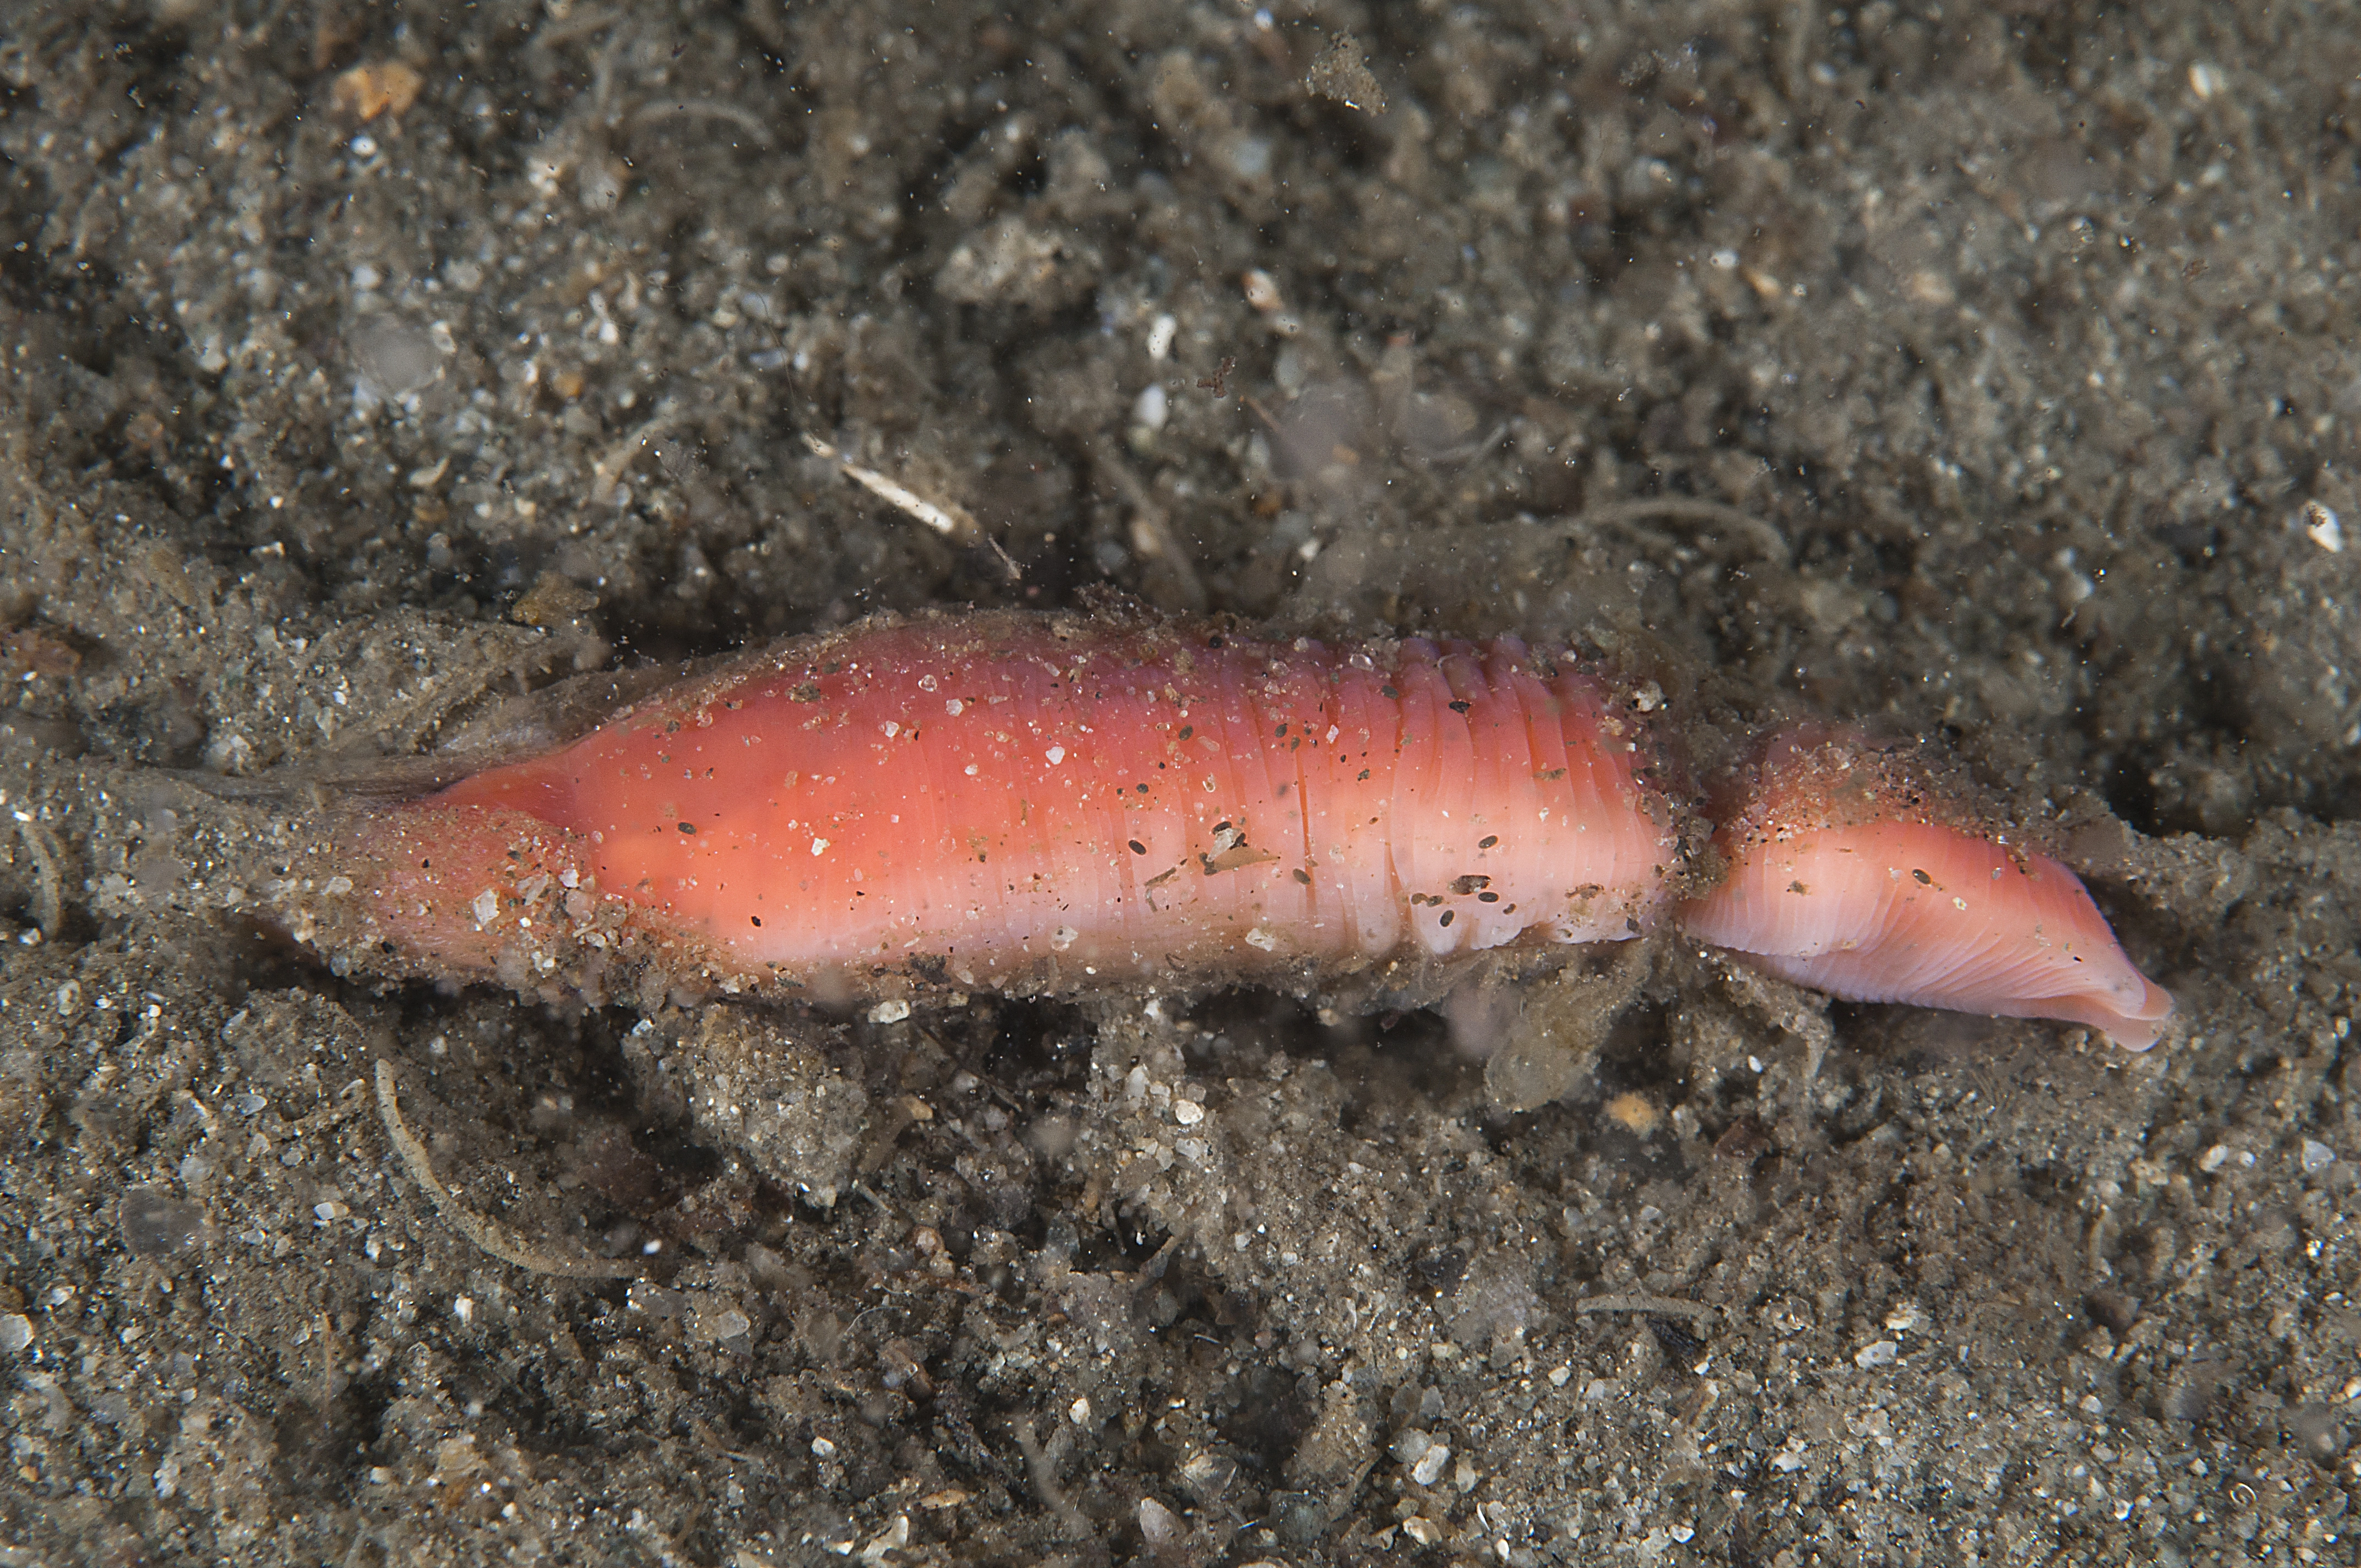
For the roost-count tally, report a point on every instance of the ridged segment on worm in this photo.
(1011, 801)
(1848, 874)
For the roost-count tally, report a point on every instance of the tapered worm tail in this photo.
(1850, 875)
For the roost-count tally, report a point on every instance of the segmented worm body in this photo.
(1034, 803)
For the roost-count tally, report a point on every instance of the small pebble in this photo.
(1159, 1527)
(1150, 408)
(156, 1225)
(1428, 1470)
(396, 356)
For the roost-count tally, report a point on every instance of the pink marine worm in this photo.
(1033, 803)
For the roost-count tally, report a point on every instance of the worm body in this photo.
(1015, 802)
(1849, 874)
(1029, 803)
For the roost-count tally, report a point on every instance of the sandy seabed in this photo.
(1979, 373)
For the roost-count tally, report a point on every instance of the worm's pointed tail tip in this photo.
(2139, 1027)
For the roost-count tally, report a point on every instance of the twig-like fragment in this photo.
(1767, 540)
(1041, 1466)
(1151, 529)
(49, 885)
(1654, 1306)
(486, 1233)
(950, 521)
(611, 463)
(703, 109)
